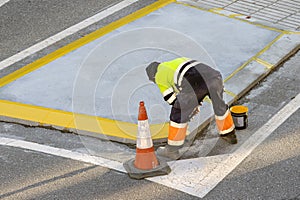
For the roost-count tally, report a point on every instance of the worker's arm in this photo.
(169, 94)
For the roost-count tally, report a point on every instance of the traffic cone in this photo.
(145, 164)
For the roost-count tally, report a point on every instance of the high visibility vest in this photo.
(166, 79)
(169, 77)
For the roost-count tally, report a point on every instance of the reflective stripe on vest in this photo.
(181, 70)
(177, 133)
(225, 123)
(164, 78)
(169, 95)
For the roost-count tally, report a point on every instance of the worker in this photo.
(184, 83)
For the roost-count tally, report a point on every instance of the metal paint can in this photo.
(240, 116)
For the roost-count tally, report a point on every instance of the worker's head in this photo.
(151, 70)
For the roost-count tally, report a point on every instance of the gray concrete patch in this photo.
(112, 86)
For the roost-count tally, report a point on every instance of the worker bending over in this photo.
(184, 83)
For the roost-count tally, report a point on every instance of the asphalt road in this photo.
(25, 23)
(271, 171)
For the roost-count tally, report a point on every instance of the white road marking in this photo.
(204, 181)
(193, 176)
(2, 2)
(61, 35)
(62, 153)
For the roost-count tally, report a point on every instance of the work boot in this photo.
(169, 152)
(230, 137)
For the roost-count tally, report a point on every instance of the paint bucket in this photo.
(240, 116)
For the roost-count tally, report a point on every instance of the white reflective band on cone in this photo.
(144, 143)
(144, 140)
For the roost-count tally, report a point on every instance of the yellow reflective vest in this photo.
(166, 78)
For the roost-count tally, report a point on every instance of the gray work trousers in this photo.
(199, 81)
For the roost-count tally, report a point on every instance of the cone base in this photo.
(135, 173)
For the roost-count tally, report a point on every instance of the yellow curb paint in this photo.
(264, 63)
(68, 120)
(215, 9)
(254, 57)
(291, 32)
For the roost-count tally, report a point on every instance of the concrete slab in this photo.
(97, 82)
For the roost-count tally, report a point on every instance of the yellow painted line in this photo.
(68, 120)
(235, 15)
(218, 10)
(264, 63)
(291, 32)
(214, 9)
(82, 41)
(229, 93)
(254, 57)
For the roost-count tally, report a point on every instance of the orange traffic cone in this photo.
(145, 163)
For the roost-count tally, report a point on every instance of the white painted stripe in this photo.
(63, 153)
(2, 2)
(229, 164)
(63, 34)
(193, 176)
(200, 175)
